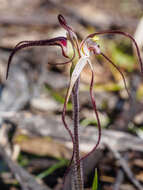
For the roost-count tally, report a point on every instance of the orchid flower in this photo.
(78, 54)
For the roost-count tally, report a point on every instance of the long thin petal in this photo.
(120, 33)
(117, 68)
(76, 73)
(59, 41)
(72, 138)
(71, 135)
(96, 113)
(97, 117)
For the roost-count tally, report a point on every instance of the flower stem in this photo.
(78, 178)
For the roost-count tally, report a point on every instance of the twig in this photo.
(41, 125)
(119, 180)
(134, 107)
(126, 169)
(25, 179)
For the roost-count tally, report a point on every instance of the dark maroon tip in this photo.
(62, 20)
(63, 23)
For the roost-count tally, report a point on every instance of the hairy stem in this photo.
(78, 178)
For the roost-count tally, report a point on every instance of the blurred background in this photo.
(34, 146)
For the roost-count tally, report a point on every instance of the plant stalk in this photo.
(78, 178)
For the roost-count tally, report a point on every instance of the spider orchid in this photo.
(78, 54)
